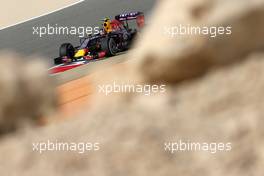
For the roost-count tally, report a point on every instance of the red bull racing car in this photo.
(115, 36)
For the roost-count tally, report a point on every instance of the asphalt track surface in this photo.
(20, 38)
(87, 69)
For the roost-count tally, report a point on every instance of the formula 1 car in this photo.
(115, 36)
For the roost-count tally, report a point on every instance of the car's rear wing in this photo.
(128, 16)
(138, 16)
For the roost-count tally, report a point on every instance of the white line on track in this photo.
(62, 8)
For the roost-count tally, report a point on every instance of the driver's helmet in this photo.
(107, 25)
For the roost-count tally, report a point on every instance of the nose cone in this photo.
(80, 53)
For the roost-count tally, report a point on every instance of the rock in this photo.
(225, 106)
(163, 58)
(26, 92)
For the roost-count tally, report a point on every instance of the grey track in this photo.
(20, 38)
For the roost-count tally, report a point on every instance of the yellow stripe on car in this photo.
(80, 53)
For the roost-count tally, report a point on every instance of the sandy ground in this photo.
(14, 11)
(76, 87)
(74, 95)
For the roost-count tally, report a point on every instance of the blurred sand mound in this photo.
(215, 108)
(163, 58)
(223, 105)
(26, 92)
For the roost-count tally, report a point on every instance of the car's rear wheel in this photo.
(67, 49)
(108, 45)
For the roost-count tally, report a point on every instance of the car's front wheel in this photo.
(67, 50)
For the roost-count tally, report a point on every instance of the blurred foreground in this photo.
(214, 94)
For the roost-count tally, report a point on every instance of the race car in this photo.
(115, 36)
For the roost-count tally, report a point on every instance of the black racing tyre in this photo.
(67, 49)
(108, 45)
(58, 61)
(134, 35)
